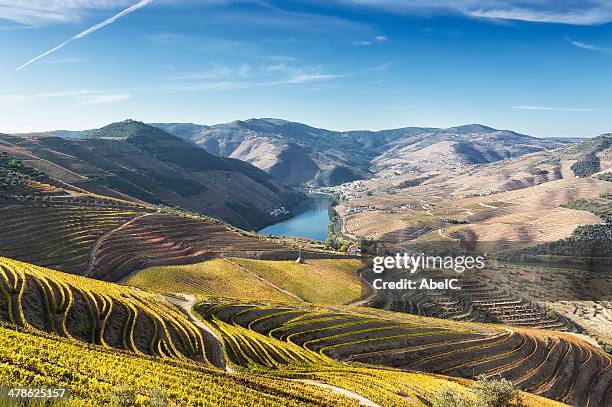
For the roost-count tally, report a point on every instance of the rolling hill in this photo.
(147, 164)
(106, 341)
(301, 154)
(557, 366)
(507, 204)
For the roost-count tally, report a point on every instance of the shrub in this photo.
(157, 398)
(123, 397)
(488, 393)
(450, 398)
(496, 393)
(587, 166)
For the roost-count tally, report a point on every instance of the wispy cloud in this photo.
(94, 99)
(375, 40)
(381, 67)
(34, 13)
(218, 71)
(90, 30)
(584, 12)
(223, 77)
(81, 97)
(588, 46)
(558, 109)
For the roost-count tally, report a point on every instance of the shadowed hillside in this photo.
(151, 165)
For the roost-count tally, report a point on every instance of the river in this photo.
(310, 223)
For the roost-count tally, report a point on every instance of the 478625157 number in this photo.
(32, 393)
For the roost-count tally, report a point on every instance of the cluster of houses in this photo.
(359, 209)
(346, 190)
(279, 211)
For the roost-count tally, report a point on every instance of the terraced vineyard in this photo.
(140, 342)
(110, 239)
(325, 281)
(160, 239)
(59, 236)
(92, 311)
(475, 302)
(94, 373)
(557, 366)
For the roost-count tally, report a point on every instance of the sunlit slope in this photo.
(217, 277)
(92, 373)
(322, 281)
(93, 311)
(503, 205)
(126, 324)
(556, 366)
(385, 386)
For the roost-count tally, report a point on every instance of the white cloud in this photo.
(381, 67)
(38, 12)
(218, 71)
(583, 12)
(588, 46)
(310, 77)
(224, 77)
(212, 85)
(68, 60)
(90, 30)
(81, 97)
(557, 109)
(376, 39)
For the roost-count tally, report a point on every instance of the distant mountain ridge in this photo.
(304, 155)
(301, 154)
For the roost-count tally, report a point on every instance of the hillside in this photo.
(301, 154)
(109, 239)
(322, 281)
(505, 205)
(109, 315)
(557, 366)
(151, 165)
(106, 341)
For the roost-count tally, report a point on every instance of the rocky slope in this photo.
(300, 154)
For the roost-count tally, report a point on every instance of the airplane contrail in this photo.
(96, 27)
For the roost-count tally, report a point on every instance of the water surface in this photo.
(311, 223)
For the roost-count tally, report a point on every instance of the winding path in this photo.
(263, 280)
(96, 246)
(214, 349)
(372, 290)
(350, 394)
(212, 342)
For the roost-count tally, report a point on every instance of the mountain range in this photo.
(300, 154)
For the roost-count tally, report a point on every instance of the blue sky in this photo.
(538, 67)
